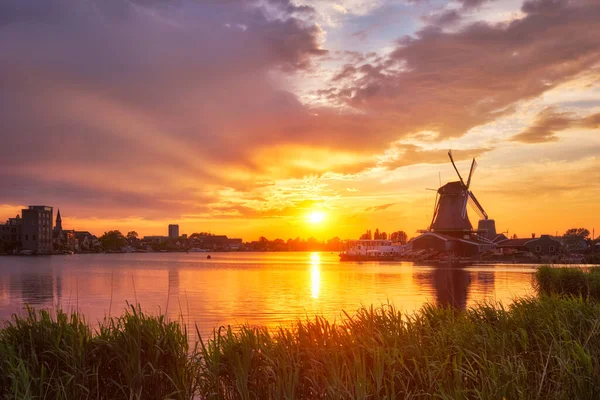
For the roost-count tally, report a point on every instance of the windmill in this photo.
(450, 213)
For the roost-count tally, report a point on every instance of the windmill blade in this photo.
(456, 169)
(477, 204)
(436, 208)
(475, 208)
(464, 210)
(471, 172)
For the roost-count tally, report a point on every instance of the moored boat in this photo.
(371, 250)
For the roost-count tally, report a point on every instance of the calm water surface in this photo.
(267, 289)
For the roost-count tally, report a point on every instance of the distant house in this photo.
(544, 246)
(575, 244)
(10, 234)
(215, 242)
(513, 245)
(86, 241)
(155, 239)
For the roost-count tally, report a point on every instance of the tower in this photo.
(58, 226)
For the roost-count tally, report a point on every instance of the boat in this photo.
(371, 250)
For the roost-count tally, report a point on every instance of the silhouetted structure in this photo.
(450, 230)
(58, 226)
(10, 234)
(173, 231)
(544, 245)
(37, 229)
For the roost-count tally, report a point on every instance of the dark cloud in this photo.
(550, 121)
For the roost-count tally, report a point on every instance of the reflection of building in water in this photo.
(485, 282)
(174, 281)
(450, 286)
(37, 289)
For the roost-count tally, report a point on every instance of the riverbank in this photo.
(547, 347)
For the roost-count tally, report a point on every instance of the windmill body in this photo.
(451, 231)
(449, 216)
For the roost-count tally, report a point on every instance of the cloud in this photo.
(550, 121)
(163, 94)
(409, 154)
(451, 82)
(161, 107)
(380, 207)
(451, 16)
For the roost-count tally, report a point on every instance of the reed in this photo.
(57, 356)
(568, 281)
(547, 348)
(538, 348)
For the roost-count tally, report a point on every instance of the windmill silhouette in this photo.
(450, 214)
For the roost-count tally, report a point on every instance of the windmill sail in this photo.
(471, 172)
(456, 169)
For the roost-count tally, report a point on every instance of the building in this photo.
(58, 227)
(10, 234)
(575, 244)
(451, 231)
(467, 246)
(509, 246)
(36, 233)
(86, 241)
(543, 246)
(216, 242)
(173, 231)
(155, 239)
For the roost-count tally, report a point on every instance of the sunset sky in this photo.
(246, 117)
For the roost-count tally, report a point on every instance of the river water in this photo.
(267, 289)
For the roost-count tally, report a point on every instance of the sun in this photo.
(316, 217)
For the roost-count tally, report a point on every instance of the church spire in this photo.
(58, 226)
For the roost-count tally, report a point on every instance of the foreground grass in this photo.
(569, 281)
(546, 348)
(57, 356)
(537, 349)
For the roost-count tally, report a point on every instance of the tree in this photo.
(383, 236)
(399, 237)
(376, 236)
(581, 232)
(196, 235)
(279, 245)
(132, 235)
(112, 240)
(366, 235)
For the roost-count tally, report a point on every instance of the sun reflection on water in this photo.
(315, 275)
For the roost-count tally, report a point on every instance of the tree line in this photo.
(395, 237)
